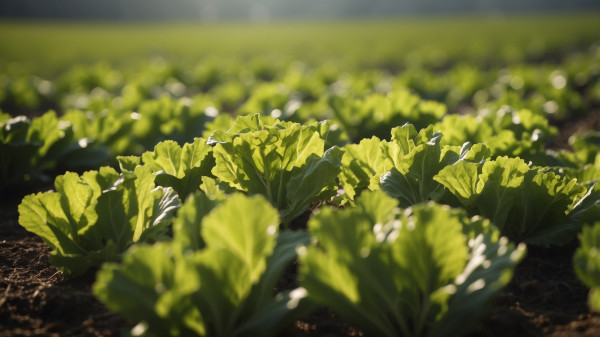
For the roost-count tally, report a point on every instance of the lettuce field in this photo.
(408, 177)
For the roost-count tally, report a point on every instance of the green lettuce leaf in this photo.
(181, 168)
(188, 223)
(586, 150)
(360, 163)
(411, 179)
(587, 263)
(363, 164)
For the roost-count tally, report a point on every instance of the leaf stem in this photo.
(266, 174)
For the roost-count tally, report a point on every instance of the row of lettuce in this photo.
(559, 85)
(414, 235)
(35, 149)
(560, 90)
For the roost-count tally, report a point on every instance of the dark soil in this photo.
(590, 122)
(545, 298)
(36, 300)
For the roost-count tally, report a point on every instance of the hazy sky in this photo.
(261, 10)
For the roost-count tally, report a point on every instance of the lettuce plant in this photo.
(411, 178)
(360, 163)
(426, 271)
(364, 163)
(181, 168)
(266, 98)
(586, 149)
(285, 162)
(29, 149)
(525, 203)
(374, 115)
(505, 132)
(217, 282)
(168, 118)
(107, 126)
(404, 166)
(583, 162)
(587, 174)
(95, 217)
(587, 262)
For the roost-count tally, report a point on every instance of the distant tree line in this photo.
(267, 9)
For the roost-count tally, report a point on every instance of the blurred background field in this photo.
(48, 47)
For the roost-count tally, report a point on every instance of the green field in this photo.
(432, 40)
